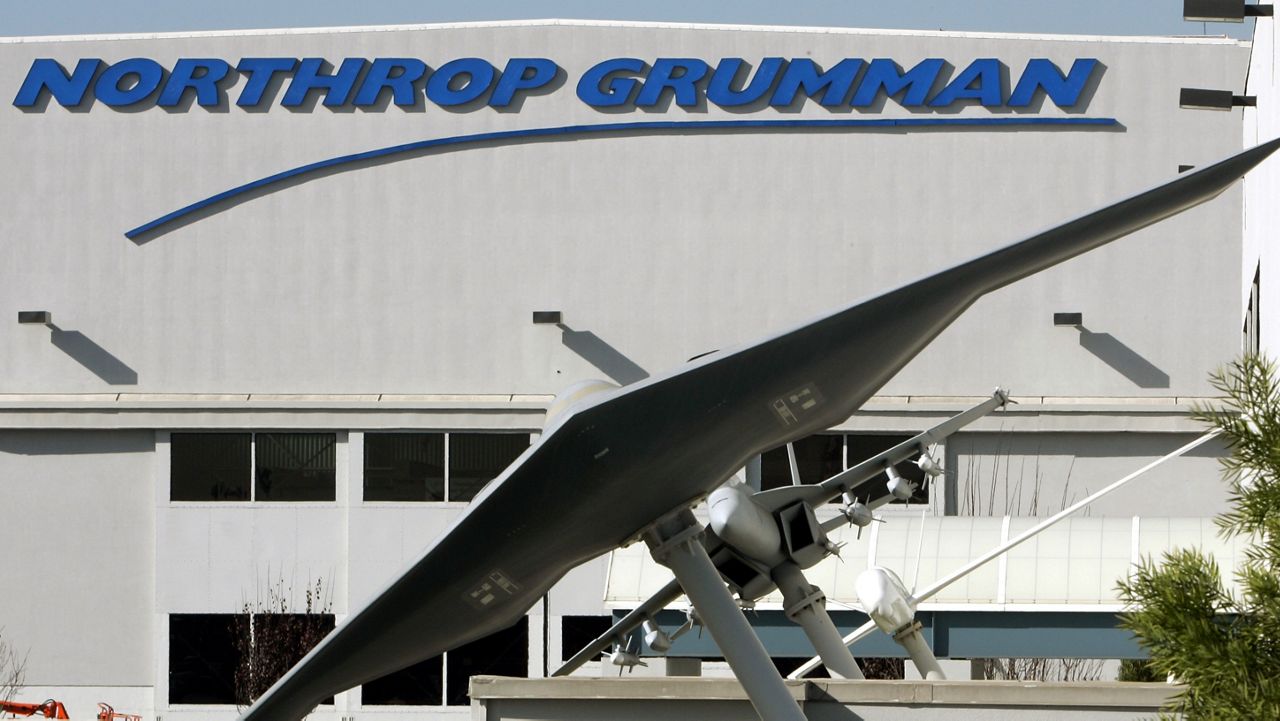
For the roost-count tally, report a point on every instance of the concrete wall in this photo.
(77, 542)
(418, 276)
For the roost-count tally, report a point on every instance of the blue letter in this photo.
(337, 86)
(48, 75)
(401, 83)
(883, 73)
(479, 77)
(619, 90)
(205, 84)
(148, 74)
(261, 71)
(720, 90)
(1043, 74)
(834, 84)
(990, 90)
(517, 76)
(664, 75)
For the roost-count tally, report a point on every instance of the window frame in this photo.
(339, 438)
(169, 665)
(448, 461)
(215, 707)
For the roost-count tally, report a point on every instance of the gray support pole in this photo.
(806, 606)
(926, 663)
(674, 543)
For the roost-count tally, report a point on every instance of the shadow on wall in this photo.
(1123, 359)
(97, 359)
(619, 368)
(68, 442)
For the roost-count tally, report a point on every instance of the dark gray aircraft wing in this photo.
(621, 460)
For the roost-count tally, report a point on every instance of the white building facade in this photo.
(291, 278)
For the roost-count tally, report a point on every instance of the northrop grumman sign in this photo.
(931, 84)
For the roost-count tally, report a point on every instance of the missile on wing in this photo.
(928, 464)
(857, 512)
(885, 598)
(655, 637)
(887, 601)
(899, 487)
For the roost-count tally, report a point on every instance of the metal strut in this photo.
(673, 542)
(926, 663)
(806, 606)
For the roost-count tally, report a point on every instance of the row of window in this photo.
(209, 652)
(213, 658)
(301, 466)
(430, 467)
(435, 466)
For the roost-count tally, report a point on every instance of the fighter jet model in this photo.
(619, 464)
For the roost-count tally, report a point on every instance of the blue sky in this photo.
(1109, 17)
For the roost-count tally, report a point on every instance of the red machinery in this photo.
(106, 713)
(55, 709)
(48, 709)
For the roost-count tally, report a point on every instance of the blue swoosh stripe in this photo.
(574, 130)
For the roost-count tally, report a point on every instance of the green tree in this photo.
(1224, 648)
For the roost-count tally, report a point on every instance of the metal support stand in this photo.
(926, 663)
(806, 605)
(674, 543)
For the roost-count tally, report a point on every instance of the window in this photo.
(230, 658)
(421, 684)
(269, 644)
(477, 458)
(818, 458)
(822, 456)
(578, 631)
(252, 467)
(447, 678)
(202, 658)
(404, 466)
(505, 653)
(294, 466)
(209, 466)
(435, 466)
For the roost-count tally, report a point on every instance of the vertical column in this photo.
(537, 659)
(349, 460)
(160, 611)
